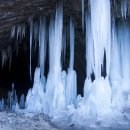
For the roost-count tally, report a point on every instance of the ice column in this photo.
(31, 38)
(98, 92)
(71, 85)
(55, 89)
(101, 23)
(35, 100)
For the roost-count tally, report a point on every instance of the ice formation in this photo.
(105, 39)
(22, 102)
(83, 15)
(124, 8)
(71, 79)
(31, 39)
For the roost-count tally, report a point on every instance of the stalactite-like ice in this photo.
(120, 62)
(42, 48)
(64, 46)
(36, 95)
(55, 89)
(124, 8)
(83, 15)
(89, 57)
(100, 25)
(31, 40)
(13, 31)
(71, 79)
(98, 92)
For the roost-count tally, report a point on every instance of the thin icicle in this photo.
(64, 46)
(31, 38)
(89, 48)
(42, 49)
(72, 38)
(83, 15)
(9, 53)
(23, 31)
(13, 31)
(124, 8)
(36, 32)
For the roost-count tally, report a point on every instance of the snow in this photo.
(25, 121)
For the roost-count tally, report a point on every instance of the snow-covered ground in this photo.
(13, 121)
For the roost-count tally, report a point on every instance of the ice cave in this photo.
(65, 64)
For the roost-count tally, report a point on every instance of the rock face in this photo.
(13, 12)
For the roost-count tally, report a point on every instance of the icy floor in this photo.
(12, 121)
(113, 121)
(32, 121)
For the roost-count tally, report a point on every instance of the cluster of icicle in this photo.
(104, 38)
(11, 103)
(53, 94)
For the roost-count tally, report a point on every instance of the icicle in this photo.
(101, 25)
(71, 79)
(31, 38)
(89, 57)
(23, 31)
(89, 48)
(83, 15)
(55, 89)
(115, 69)
(36, 32)
(9, 53)
(4, 57)
(22, 102)
(124, 8)
(64, 46)
(72, 38)
(13, 31)
(42, 48)
(19, 31)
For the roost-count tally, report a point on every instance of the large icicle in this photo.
(55, 89)
(35, 100)
(101, 23)
(31, 39)
(98, 92)
(124, 8)
(42, 48)
(71, 80)
(89, 57)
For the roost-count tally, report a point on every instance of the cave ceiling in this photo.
(13, 12)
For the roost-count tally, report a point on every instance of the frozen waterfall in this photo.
(107, 46)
